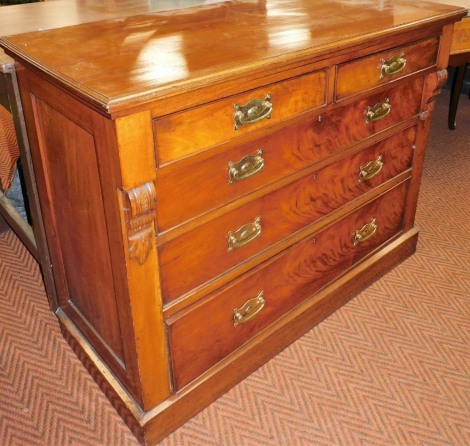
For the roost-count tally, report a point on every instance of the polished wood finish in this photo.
(132, 128)
(368, 73)
(79, 220)
(285, 152)
(214, 124)
(309, 265)
(152, 57)
(187, 261)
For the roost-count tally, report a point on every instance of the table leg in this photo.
(455, 95)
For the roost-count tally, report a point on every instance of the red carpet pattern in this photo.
(46, 398)
(391, 368)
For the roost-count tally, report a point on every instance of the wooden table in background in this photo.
(459, 57)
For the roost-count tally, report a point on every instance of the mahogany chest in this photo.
(216, 180)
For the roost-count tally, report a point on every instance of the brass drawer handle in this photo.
(253, 111)
(244, 235)
(365, 233)
(394, 65)
(248, 310)
(371, 169)
(246, 167)
(378, 111)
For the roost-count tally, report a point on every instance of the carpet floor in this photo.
(392, 367)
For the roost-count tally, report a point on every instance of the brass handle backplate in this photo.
(248, 310)
(394, 65)
(246, 167)
(244, 235)
(365, 233)
(371, 169)
(378, 111)
(253, 111)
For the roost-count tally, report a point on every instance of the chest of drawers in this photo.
(215, 181)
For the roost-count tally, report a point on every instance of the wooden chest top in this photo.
(136, 54)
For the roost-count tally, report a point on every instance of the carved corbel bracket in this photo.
(139, 208)
(432, 88)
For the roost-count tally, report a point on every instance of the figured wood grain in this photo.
(286, 281)
(277, 336)
(347, 125)
(188, 261)
(285, 152)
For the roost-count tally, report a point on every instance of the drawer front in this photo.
(188, 260)
(348, 125)
(188, 132)
(182, 191)
(369, 72)
(203, 334)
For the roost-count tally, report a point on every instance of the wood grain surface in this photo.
(367, 72)
(286, 281)
(188, 260)
(132, 58)
(285, 152)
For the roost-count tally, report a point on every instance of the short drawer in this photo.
(206, 332)
(190, 131)
(371, 71)
(188, 260)
(188, 189)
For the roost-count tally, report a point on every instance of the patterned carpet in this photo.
(392, 367)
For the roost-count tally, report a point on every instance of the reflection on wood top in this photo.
(111, 52)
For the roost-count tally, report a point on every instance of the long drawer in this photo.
(276, 156)
(188, 260)
(366, 117)
(206, 332)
